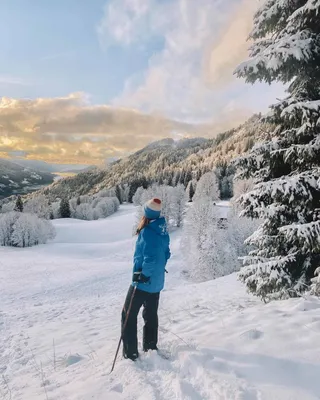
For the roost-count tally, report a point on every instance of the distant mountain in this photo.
(15, 179)
(162, 161)
(43, 166)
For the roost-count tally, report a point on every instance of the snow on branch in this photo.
(271, 14)
(268, 279)
(291, 187)
(310, 6)
(307, 236)
(269, 55)
(302, 154)
(305, 108)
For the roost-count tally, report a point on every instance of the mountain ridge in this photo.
(15, 179)
(161, 161)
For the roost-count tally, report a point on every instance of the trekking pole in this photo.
(123, 328)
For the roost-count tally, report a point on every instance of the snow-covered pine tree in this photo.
(179, 200)
(65, 208)
(187, 178)
(19, 205)
(208, 186)
(190, 191)
(136, 199)
(286, 48)
(119, 194)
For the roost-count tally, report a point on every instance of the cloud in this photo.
(124, 21)
(70, 129)
(231, 47)
(174, 82)
(191, 77)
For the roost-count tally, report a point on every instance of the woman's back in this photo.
(152, 253)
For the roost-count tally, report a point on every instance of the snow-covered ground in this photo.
(60, 308)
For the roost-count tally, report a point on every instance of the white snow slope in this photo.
(60, 308)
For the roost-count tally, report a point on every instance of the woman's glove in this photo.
(140, 278)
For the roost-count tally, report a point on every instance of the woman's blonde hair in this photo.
(142, 224)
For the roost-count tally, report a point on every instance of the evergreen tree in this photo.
(78, 201)
(19, 205)
(190, 191)
(179, 200)
(286, 48)
(160, 180)
(119, 194)
(176, 178)
(182, 177)
(65, 208)
(187, 178)
(170, 180)
(133, 188)
(135, 185)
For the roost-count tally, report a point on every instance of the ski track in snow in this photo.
(60, 308)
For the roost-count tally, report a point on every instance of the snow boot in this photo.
(132, 357)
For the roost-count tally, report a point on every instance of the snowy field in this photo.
(60, 308)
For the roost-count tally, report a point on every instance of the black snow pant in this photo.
(150, 302)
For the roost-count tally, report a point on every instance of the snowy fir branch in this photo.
(272, 16)
(269, 279)
(306, 236)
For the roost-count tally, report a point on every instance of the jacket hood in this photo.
(159, 225)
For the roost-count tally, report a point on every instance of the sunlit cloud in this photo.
(71, 129)
(231, 47)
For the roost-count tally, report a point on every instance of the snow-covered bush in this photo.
(94, 207)
(7, 207)
(38, 205)
(106, 207)
(102, 193)
(24, 230)
(83, 211)
(136, 199)
(7, 222)
(55, 209)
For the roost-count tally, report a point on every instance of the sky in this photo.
(86, 81)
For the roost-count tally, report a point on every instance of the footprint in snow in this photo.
(117, 388)
(252, 334)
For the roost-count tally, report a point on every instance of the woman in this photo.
(150, 259)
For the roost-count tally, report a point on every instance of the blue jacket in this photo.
(151, 255)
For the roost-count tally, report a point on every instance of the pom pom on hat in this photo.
(152, 208)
